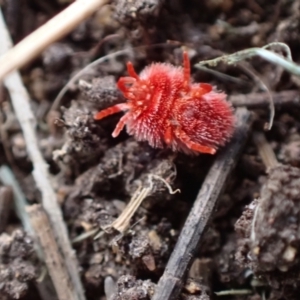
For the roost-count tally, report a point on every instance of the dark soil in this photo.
(17, 269)
(254, 238)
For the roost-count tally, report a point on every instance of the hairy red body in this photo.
(165, 108)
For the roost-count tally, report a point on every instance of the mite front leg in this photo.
(131, 71)
(123, 83)
(181, 135)
(121, 125)
(111, 110)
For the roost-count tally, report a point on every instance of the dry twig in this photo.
(8, 178)
(259, 100)
(170, 284)
(53, 258)
(20, 101)
(39, 40)
(265, 150)
(45, 287)
(6, 199)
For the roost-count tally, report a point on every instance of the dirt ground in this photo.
(251, 249)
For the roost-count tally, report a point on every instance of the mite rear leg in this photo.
(183, 137)
(168, 136)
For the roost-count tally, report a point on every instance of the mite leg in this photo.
(192, 145)
(111, 110)
(168, 136)
(131, 71)
(120, 125)
(200, 90)
(186, 70)
(122, 84)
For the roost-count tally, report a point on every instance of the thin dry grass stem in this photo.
(270, 56)
(122, 223)
(83, 71)
(43, 274)
(56, 28)
(252, 233)
(222, 75)
(21, 103)
(248, 69)
(7, 177)
(171, 191)
(234, 292)
(84, 236)
(265, 150)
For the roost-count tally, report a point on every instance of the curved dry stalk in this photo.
(40, 39)
(82, 72)
(97, 62)
(222, 76)
(248, 68)
(270, 56)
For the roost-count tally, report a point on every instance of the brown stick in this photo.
(53, 30)
(257, 100)
(53, 258)
(6, 200)
(170, 284)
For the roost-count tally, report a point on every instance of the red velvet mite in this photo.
(166, 108)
